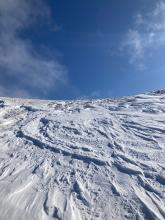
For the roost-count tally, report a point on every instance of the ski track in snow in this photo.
(80, 160)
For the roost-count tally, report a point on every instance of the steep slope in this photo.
(77, 160)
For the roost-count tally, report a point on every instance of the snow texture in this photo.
(80, 160)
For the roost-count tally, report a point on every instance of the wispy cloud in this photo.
(147, 34)
(19, 59)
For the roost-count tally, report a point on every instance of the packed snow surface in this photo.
(77, 160)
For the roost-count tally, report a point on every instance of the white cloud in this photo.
(135, 42)
(139, 19)
(147, 34)
(18, 58)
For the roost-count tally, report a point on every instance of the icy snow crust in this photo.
(77, 160)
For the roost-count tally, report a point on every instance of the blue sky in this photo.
(60, 49)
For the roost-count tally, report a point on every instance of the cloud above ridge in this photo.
(146, 36)
(19, 59)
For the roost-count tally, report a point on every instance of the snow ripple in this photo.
(99, 159)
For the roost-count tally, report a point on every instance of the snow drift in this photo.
(77, 160)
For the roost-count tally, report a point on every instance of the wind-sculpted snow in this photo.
(80, 160)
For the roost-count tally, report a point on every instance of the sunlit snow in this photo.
(77, 160)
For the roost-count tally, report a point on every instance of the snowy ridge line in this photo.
(78, 160)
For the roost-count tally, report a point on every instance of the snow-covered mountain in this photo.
(83, 160)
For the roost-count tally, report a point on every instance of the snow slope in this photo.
(77, 160)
